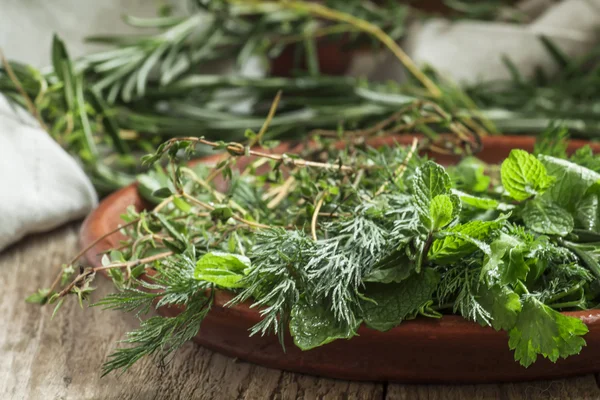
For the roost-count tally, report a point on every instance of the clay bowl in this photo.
(446, 350)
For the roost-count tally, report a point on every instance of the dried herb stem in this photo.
(313, 222)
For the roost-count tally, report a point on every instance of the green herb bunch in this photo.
(326, 238)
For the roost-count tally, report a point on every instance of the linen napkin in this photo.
(41, 186)
(469, 52)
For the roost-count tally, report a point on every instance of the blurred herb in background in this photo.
(110, 107)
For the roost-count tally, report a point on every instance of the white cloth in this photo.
(469, 52)
(41, 186)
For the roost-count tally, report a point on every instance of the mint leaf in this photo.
(572, 181)
(463, 239)
(392, 303)
(587, 213)
(477, 202)
(429, 181)
(547, 217)
(524, 176)
(441, 211)
(501, 303)
(223, 269)
(313, 325)
(469, 175)
(539, 330)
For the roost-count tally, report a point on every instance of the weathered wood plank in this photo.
(584, 387)
(42, 358)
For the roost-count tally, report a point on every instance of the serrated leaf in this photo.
(547, 217)
(441, 211)
(390, 304)
(313, 325)
(502, 304)
(540, 330)
(572, 182)
(463, 239)
(524, 176)
(429, 181)
(223, 269)
(477, 202)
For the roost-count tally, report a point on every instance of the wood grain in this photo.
(60, 358)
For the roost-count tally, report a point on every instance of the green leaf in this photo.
(540, 330)
(441, 211)
(63, 70)
(463, 239)
(162, 193)
(514, 267)
(524, 176)
(429, 181)
(477, 202)
(150, 182)
(57, 307)
(501, 303)
(390, 304)
(494, 262)
(572, 182)
(547, 217)
(40, 297)
(171, 228)
(469, 175)
(313, 325)
(223, 269)
(181, 204)
(221, 213)
(395, 267)
(586, 215)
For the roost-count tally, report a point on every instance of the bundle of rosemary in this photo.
(332, 237)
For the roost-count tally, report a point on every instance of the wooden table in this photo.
(60, 358)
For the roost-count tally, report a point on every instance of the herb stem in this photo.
(234, 216)
(240, 150)
(85, 250)
(566, 293)
(128, 265)
(568, 304)
(313, 222)
(255, 140)
(401, 168)
(365, 26)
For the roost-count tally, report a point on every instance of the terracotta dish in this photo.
(446, 350)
